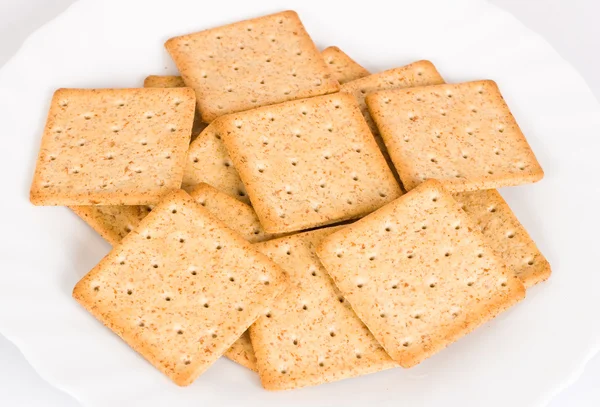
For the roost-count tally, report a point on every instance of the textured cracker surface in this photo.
(420, 73)
(172, 81)
(310, 335)
(163, 81)
(505, 235)
(461, 134)
(251, 63)
(419, 274)
(208, 162)
(241, 352)
(113, 146)
(237, 215)
(113, 223)
(308, 163)
(181, 288)
(344, 68)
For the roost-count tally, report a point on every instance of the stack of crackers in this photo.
(324, 222)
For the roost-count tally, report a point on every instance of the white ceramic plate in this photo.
(520, 359)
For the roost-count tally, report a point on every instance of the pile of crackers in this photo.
(323, 223)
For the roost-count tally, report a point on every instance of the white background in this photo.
(569, 25)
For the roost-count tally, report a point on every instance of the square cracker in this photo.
(208, 162)
(310, 335)
(113, 146)
(420, 73)
(505, 235)
(344, 68)
(172, 81)
(462, 134)
(419, 274)
(114, 222)
(251, 63)
(308, 163)
(181, 288)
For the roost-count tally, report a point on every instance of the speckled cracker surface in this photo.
(113, 223)
(208, 162)
(113, 146)
(344, 68)
(163, 81)
(242, 352)
(251, 63)
(419, 274)
(420, 73)
(181, 288)
(308, 163)
(172, 81)
(310, 335)
(505, 235)
(237, 215)
(461, 134)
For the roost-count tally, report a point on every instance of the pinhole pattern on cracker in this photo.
(172, 81)
(461, 134)
(420, 73)
(505, 235)
(208, 162)
(113, 146)
(308, 163)
(419, 274)
(310, 335)
(344, 68)
(251, 63)
(181, 288)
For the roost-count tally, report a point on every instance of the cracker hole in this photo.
(295, 342)
(434, 199)
(187, 362)
(433, 160)
(283, 371)
(470, 283)
(530, 262)
(254, 101)
(447, 254)
(181, 240)
(167, 298)
(355, 178)
(299, 53)
(372, 258)
(219, 247)
(501, 130)
(510, 235)
(332, 334)
(262, 82)
(395, 287)
(388, 229)
(321, 364)
(213, 335)
(382, 315)
(256, 231)
(359, 285)
(143, 143)
(179, 332)
(341, 300)
(492, 209)
(97, 288)
(194, 272)
(268, 60)
(348, 201)
(141, 324)
(358, 356)
(268, 315)
(432, 285)
(503, 284)
(266, 282)
(490, 172)
(155, 266)
(465, 156)
(240, 309)
(410, 256)
(314, 274)
(129, 292)
(231, 279)
(205, 305)
(148, 237)
(480, 255)
(405, 344)
(339, 255)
